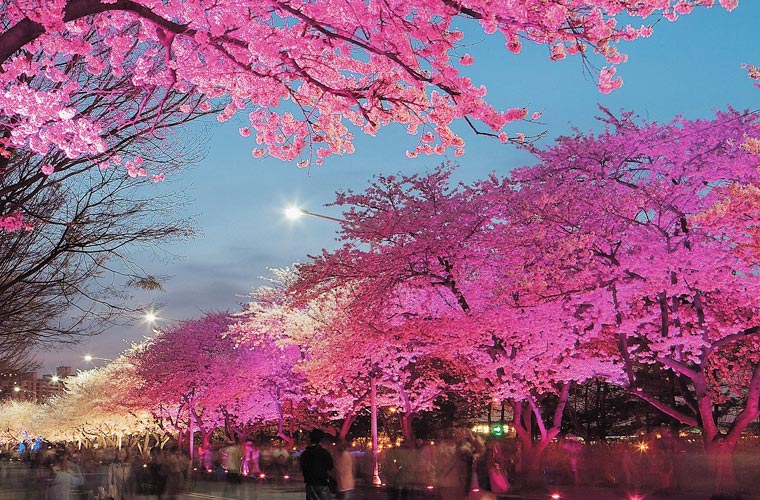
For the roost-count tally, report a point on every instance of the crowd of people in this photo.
(460, 466)
(52, 472)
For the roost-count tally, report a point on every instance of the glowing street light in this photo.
(294, 212)
(152, 318)
(89, 358)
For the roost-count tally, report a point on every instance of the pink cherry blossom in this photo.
(466, 60)
(231, 55)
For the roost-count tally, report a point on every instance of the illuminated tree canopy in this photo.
(306, 74)
(627, 256)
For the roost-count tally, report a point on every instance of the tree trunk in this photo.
(532, 454)
(346, 426)
(527, 417)
(407, 431)
(205, 438)
(720, 463)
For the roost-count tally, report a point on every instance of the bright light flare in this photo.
(54, 378)
(88, 357)
(293, 212)
(17, 389)
(642, 446)
(150, 317)
(555, 496)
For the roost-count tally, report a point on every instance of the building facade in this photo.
(26, 386)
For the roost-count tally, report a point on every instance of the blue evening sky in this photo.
(690, 67)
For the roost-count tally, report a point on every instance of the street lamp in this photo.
(152, 318)
(29, 395)
(90, 357)
(293, 213)
(296, 212)
(373, 424)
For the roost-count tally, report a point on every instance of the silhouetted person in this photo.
(316, 464)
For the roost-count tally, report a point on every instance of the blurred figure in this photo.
(316, 464)
(100, 493)
(280, 459)
(573, 447)
(118, 476)
(174, 472)
(344, 472)
(233, 460)
(251, 460)
(402, 473)
(206, 454)
(153, 479)
(450, 470)
(497, 470)
(65, 476)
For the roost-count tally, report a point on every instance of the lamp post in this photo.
(89, 358)
(373, 414)
(294, 212)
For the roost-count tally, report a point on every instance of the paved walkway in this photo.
(22, 486)
(294, 491)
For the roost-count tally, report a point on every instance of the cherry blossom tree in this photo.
(93, 409)
(342, 356)
(17, 420)
(402, 280)
(175, 373)
(195, 376)
(425, 260)
(660, 270)
(261, 385)
(333, 383)
(306, 74)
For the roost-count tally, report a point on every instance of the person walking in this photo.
(66, 476)
(233, 459)
(316, 464)
(251, 460)
(344, 472)
(118, 476)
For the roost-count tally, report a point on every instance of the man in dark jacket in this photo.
(316, 463)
